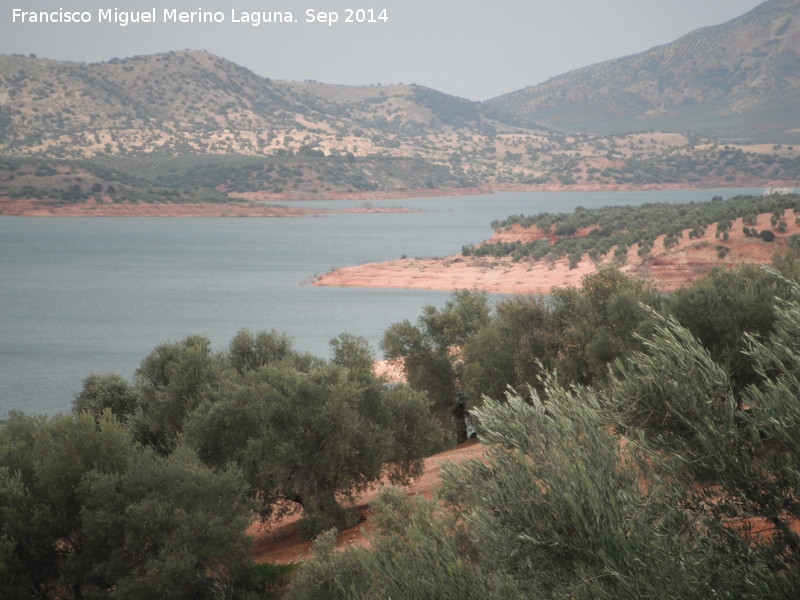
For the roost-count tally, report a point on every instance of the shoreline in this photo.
(26, 207)
(496, 276)
(249, 204)
(400, 194)
(707, 183)
(666, 268)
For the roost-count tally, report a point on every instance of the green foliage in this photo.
(319, 439)
(257, 427)
(658, 388)
(623, 226)
(556, 509)
(697, 500)
(188, 530)
(110, 391)
(725, 305)
(191, 177)
(693, 496)
(431, 353)
(354, 354)
(671, 240)
(329, 574)
(89, 513)
(671, 479)
(307, 434)
(596, 323)
(586, 527)
(738, 443)
(247, 352)
(576, 332)
(510, 350)
(409, 559)
(273, 579)
(173, 380)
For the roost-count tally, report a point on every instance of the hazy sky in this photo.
(470, 48)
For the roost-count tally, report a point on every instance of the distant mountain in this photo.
(192, 101)
(189, 125)
(739, 80)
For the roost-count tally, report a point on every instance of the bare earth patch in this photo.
(667, 268)
(31, 207)
(278, 542)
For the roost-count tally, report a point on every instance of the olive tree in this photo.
(88, 513)
(430, 352)
(668, 480)
(311, 434)
(172, 381)
(737, 447)
(109, 391)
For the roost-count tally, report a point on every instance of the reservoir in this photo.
(82, 295)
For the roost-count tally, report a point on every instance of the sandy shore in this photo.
(593, 186)
(259, 204)
(37, 208)
(264, 196)
(667, 269)
(457, 272)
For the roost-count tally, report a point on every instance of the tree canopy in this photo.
(306, 433)
(667, 481)
(430, 352)
(635, 444)
(88, 513)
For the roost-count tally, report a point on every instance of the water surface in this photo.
(96, 294)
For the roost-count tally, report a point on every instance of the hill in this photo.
(193, 101)
(653, 242)
(738, 80)
(144, 129)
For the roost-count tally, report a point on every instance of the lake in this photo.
(96, 294)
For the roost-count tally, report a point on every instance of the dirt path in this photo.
(278, 542)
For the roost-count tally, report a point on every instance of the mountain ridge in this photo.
(179, 93)
(144, 123)
(737, 79)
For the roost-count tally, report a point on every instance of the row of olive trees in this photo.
(683, 214)
(624, 226)
(671, 476)
(146, 489)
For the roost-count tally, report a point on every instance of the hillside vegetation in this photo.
(201, 178)
(307, 139)
(595, 232)
(666, 472)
